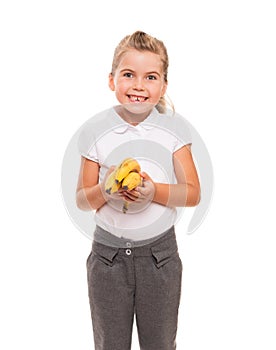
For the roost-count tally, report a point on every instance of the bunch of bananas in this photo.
(125, 176)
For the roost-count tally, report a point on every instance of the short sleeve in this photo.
(87, 142)
(183, 138)
(183, 134)
(179, 126)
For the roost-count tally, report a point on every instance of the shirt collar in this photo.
(121, 126)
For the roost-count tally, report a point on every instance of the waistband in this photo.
(160, 248)
(104, 237)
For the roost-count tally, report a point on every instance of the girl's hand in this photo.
(141, 194)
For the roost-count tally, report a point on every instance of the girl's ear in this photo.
(111, 83)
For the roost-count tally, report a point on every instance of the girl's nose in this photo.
(138, 84)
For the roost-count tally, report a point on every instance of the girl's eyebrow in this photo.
(154, 72)
(132, 71)
(126, 70)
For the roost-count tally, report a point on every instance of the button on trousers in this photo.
(142, 281)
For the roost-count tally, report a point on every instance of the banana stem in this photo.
(125, 207)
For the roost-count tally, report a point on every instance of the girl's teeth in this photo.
(137, 99)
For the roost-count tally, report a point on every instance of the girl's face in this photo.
(138, 81)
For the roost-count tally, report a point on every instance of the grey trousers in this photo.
(143, 281)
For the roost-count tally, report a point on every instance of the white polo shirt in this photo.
(107, 139)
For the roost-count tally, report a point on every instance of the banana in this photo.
(126, 167)
(131, 181)
(126, 176)
(111, 186)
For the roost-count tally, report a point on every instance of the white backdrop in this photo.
(55, 58)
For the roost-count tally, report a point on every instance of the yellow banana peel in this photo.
(131, 181)
(127, 166)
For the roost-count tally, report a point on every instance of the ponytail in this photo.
(162, 105)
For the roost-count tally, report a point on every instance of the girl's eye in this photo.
(152, 77)
(128, 75)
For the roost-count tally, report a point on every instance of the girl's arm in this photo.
(186, 193)
(89, 193)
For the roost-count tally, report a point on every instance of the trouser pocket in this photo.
(164, 252)
(104, 254)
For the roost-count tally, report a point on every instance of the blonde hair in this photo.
(144, 42)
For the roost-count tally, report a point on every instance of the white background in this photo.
(55, 58)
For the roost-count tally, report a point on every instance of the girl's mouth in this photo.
(135, 98)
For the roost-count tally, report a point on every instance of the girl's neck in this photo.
(130, 117)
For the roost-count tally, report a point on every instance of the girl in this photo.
(134, 267)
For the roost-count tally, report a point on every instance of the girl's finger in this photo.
(128, 196)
